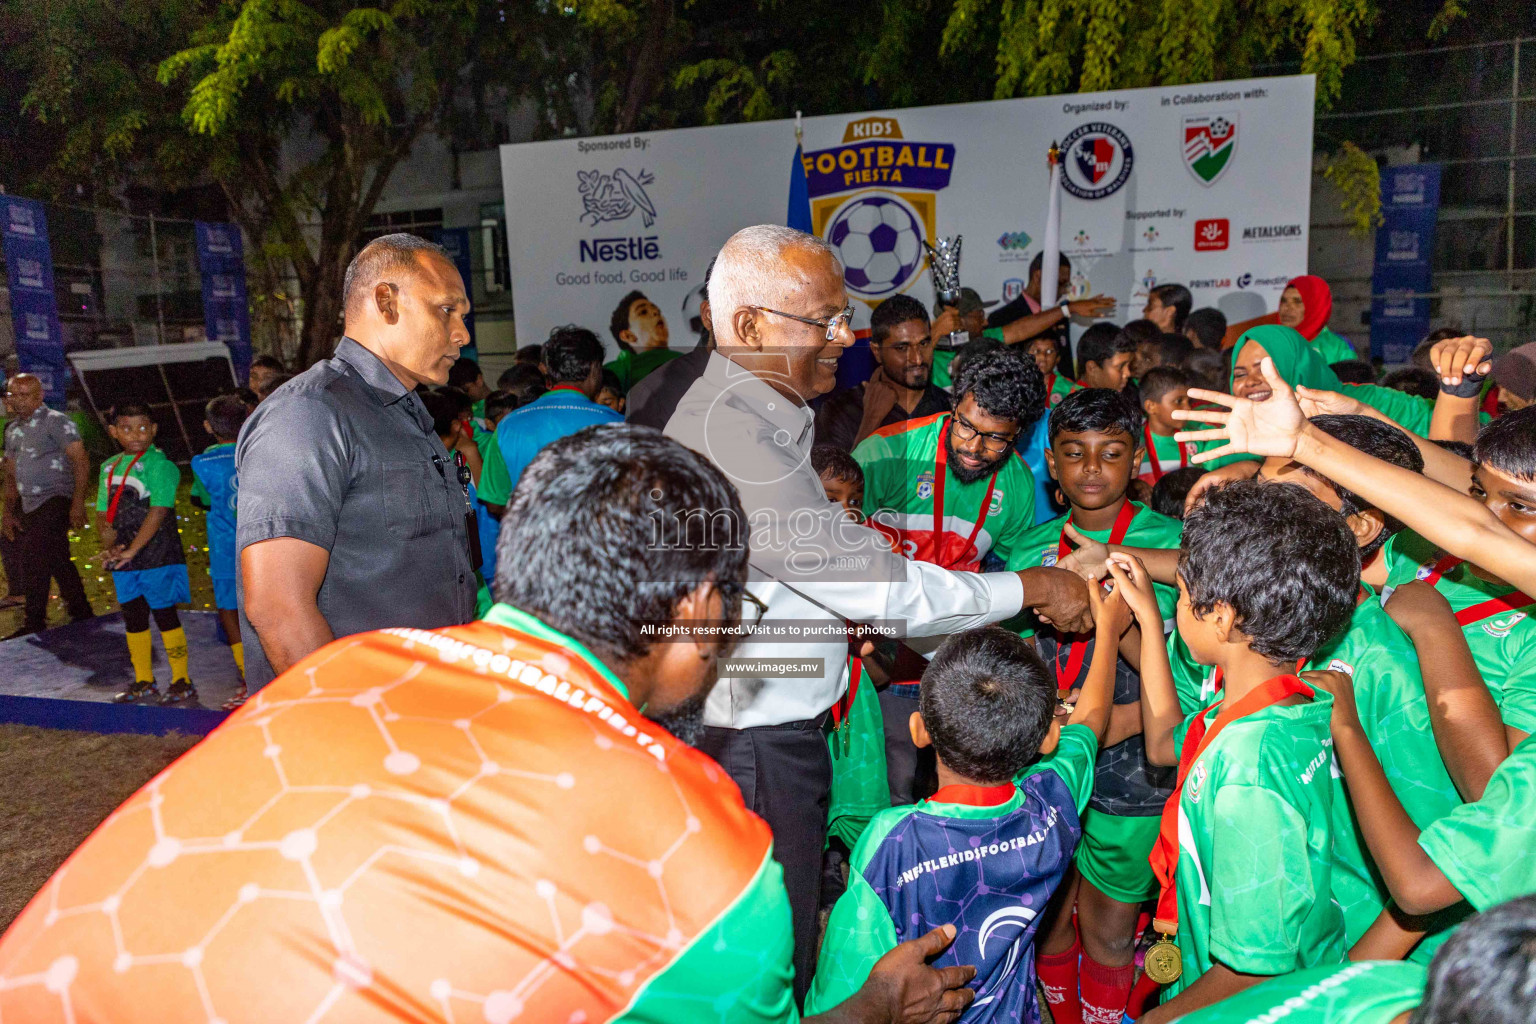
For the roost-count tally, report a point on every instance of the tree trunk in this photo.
(323, 307)
(650, 62)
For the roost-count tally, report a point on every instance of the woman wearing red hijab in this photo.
(1305, 305)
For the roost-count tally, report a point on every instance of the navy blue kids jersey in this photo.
(217, 487)
(985, 859)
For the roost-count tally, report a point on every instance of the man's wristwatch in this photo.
(1065, 305)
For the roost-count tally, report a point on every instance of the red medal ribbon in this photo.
(1157, 466)
(1050, 386)
(1077, 649)
(940, 471)
(1165, 854)
(112, 504)
(1483, 610)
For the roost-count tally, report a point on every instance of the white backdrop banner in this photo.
(1204, 185)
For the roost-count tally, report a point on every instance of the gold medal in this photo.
(1163, 962)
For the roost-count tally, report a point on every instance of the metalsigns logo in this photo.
(1271, 233)
(1098, 160)
(875, 199)
(1210, 142)
(616, 196)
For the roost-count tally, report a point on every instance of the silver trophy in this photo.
(944, 265)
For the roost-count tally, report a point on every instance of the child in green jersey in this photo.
(1095, 448)
(1496, 618)
(1480, 852)
(1383, 663)
(1162, 389)
(136, 519)
(1267, 574)
(1047, 356)
(1481, 975)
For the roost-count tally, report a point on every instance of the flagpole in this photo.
(1050, 264)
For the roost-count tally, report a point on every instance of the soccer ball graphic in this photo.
(879, 241)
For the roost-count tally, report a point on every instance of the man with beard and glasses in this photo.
(488, 821)
(949, 489)
(901, 387)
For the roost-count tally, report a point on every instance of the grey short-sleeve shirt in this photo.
(35, 447)
(343, 456)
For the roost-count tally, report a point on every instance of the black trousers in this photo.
(785, 775)
(911, 774)
(44, 544)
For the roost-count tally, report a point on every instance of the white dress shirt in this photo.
(812, 567)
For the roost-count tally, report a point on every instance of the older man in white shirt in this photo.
(780, 314)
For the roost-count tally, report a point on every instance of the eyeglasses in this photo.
(964, 431)
(833, 325)
(752, 611)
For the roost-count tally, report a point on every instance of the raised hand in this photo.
(1093, 307)
(1455, 356)
(1135, 586)
(1269, 428)
(1111, 613)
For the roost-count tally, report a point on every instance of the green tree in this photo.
(352, 88)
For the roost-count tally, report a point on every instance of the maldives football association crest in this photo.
(1210, 142)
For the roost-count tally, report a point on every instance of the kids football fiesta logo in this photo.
(875, 199)
(1210, 141)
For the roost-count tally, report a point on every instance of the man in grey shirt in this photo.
(351, 513)
(47, 479)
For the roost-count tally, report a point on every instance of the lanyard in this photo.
(1077, 651)
(844, 705)
(940, 471)
(1165, 854)
(1485, 609)
(1050, 385)
(112, 505)
(1157, 466)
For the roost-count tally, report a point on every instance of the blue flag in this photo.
(799, 215)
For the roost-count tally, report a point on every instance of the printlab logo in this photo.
(616, 196)
(1098, 160)
(1210, 140)
(1213, 234)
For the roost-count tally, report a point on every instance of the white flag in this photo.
(1050, 266)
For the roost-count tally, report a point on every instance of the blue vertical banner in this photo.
(226, 308)
(34, 308)
(456, 241)
(1405, 245)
